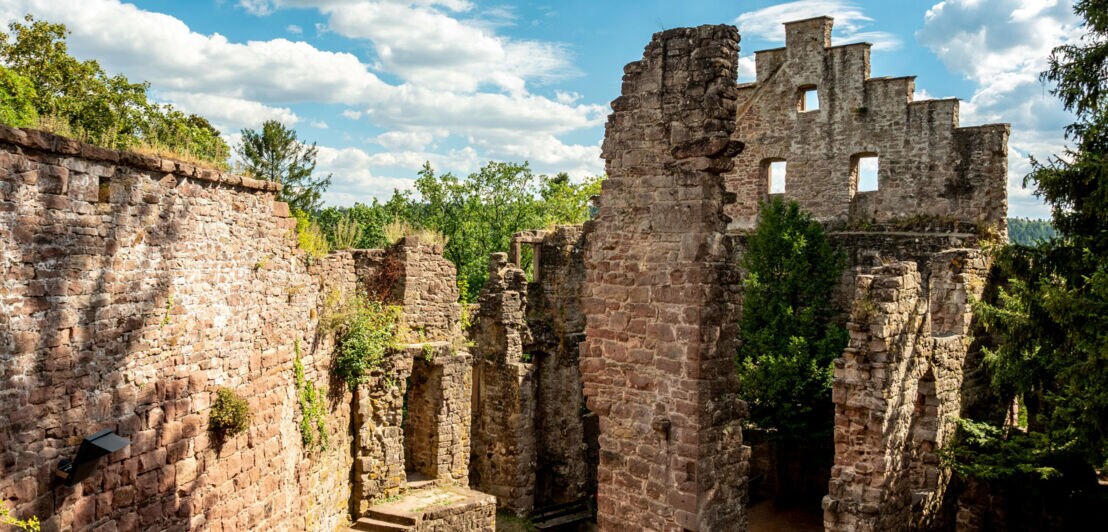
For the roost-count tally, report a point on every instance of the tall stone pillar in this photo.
(660, 294)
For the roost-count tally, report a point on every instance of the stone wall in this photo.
(132, 287)
(503, 432)
(897, 388)
(567, 431)
(437, 431)
(660, 293)
(929, 168)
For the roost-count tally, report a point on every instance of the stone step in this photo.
(402, 519)
(369, 524)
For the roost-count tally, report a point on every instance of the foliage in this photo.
(79, 99)
(17, 96)
(31, 524)
(310, 237)
(230, 413)
(275, 154)
(788, 339)
(1050, 320)
(1028, 232)
(313, 424)
(365, 331)
(566, 203)
(987, 452)
(346, 234)
(472, 216)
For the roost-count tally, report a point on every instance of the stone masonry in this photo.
(659, 294)
(503, 434)
(929, 168)
(897, 387)
(567, 446)
(133, 287)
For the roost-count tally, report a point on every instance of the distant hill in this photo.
(1028, 232)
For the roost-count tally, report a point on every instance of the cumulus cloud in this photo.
(1003, 55)
(850, 21)
(226, 113)
(294, 29)
(459, 79)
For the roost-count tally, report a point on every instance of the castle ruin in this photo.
(132, 287)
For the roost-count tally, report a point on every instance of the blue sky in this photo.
(384, 85)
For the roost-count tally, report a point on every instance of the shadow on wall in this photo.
(123, 288)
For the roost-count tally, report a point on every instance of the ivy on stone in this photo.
(313, 424)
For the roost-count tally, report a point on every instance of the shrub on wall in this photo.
(365, 331)
(310, 237)
(230, 413)
(788, 339)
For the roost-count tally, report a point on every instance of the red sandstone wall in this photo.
(132, 287)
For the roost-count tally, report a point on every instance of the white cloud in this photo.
(481, 103)
(1003, 56)
(226, 113)
(294, 29)
(748, 71)
(426, 46)
(318, 124)
(849, 22)
(405, 140)
(256, 7)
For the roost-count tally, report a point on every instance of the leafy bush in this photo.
(31, 524)
(230, 413)
(366, 330)
(310, 237)
(788, 339)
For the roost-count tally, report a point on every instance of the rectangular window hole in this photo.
(866, 170)
(777, 177)
(809, 100)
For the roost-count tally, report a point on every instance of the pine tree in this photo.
(275, 154)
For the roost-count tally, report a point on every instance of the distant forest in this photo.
(1028, 232)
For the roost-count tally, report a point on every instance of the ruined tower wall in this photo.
(929, 168)
(132, 287)
(897, 388)
(503, 456)
(566, 458)
(659, 294)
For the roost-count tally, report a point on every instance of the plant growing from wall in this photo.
(313, 425)
(31, 524)
(310, 237)
(365, 331)
(230, 414)
(788, 339)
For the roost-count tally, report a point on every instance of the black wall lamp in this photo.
(89, 453)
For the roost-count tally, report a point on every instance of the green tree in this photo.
(78, 98)
(564, 202)
(788, 339)
(17, 96)
(1029, 232)
(1049, 321)
(275, 154)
